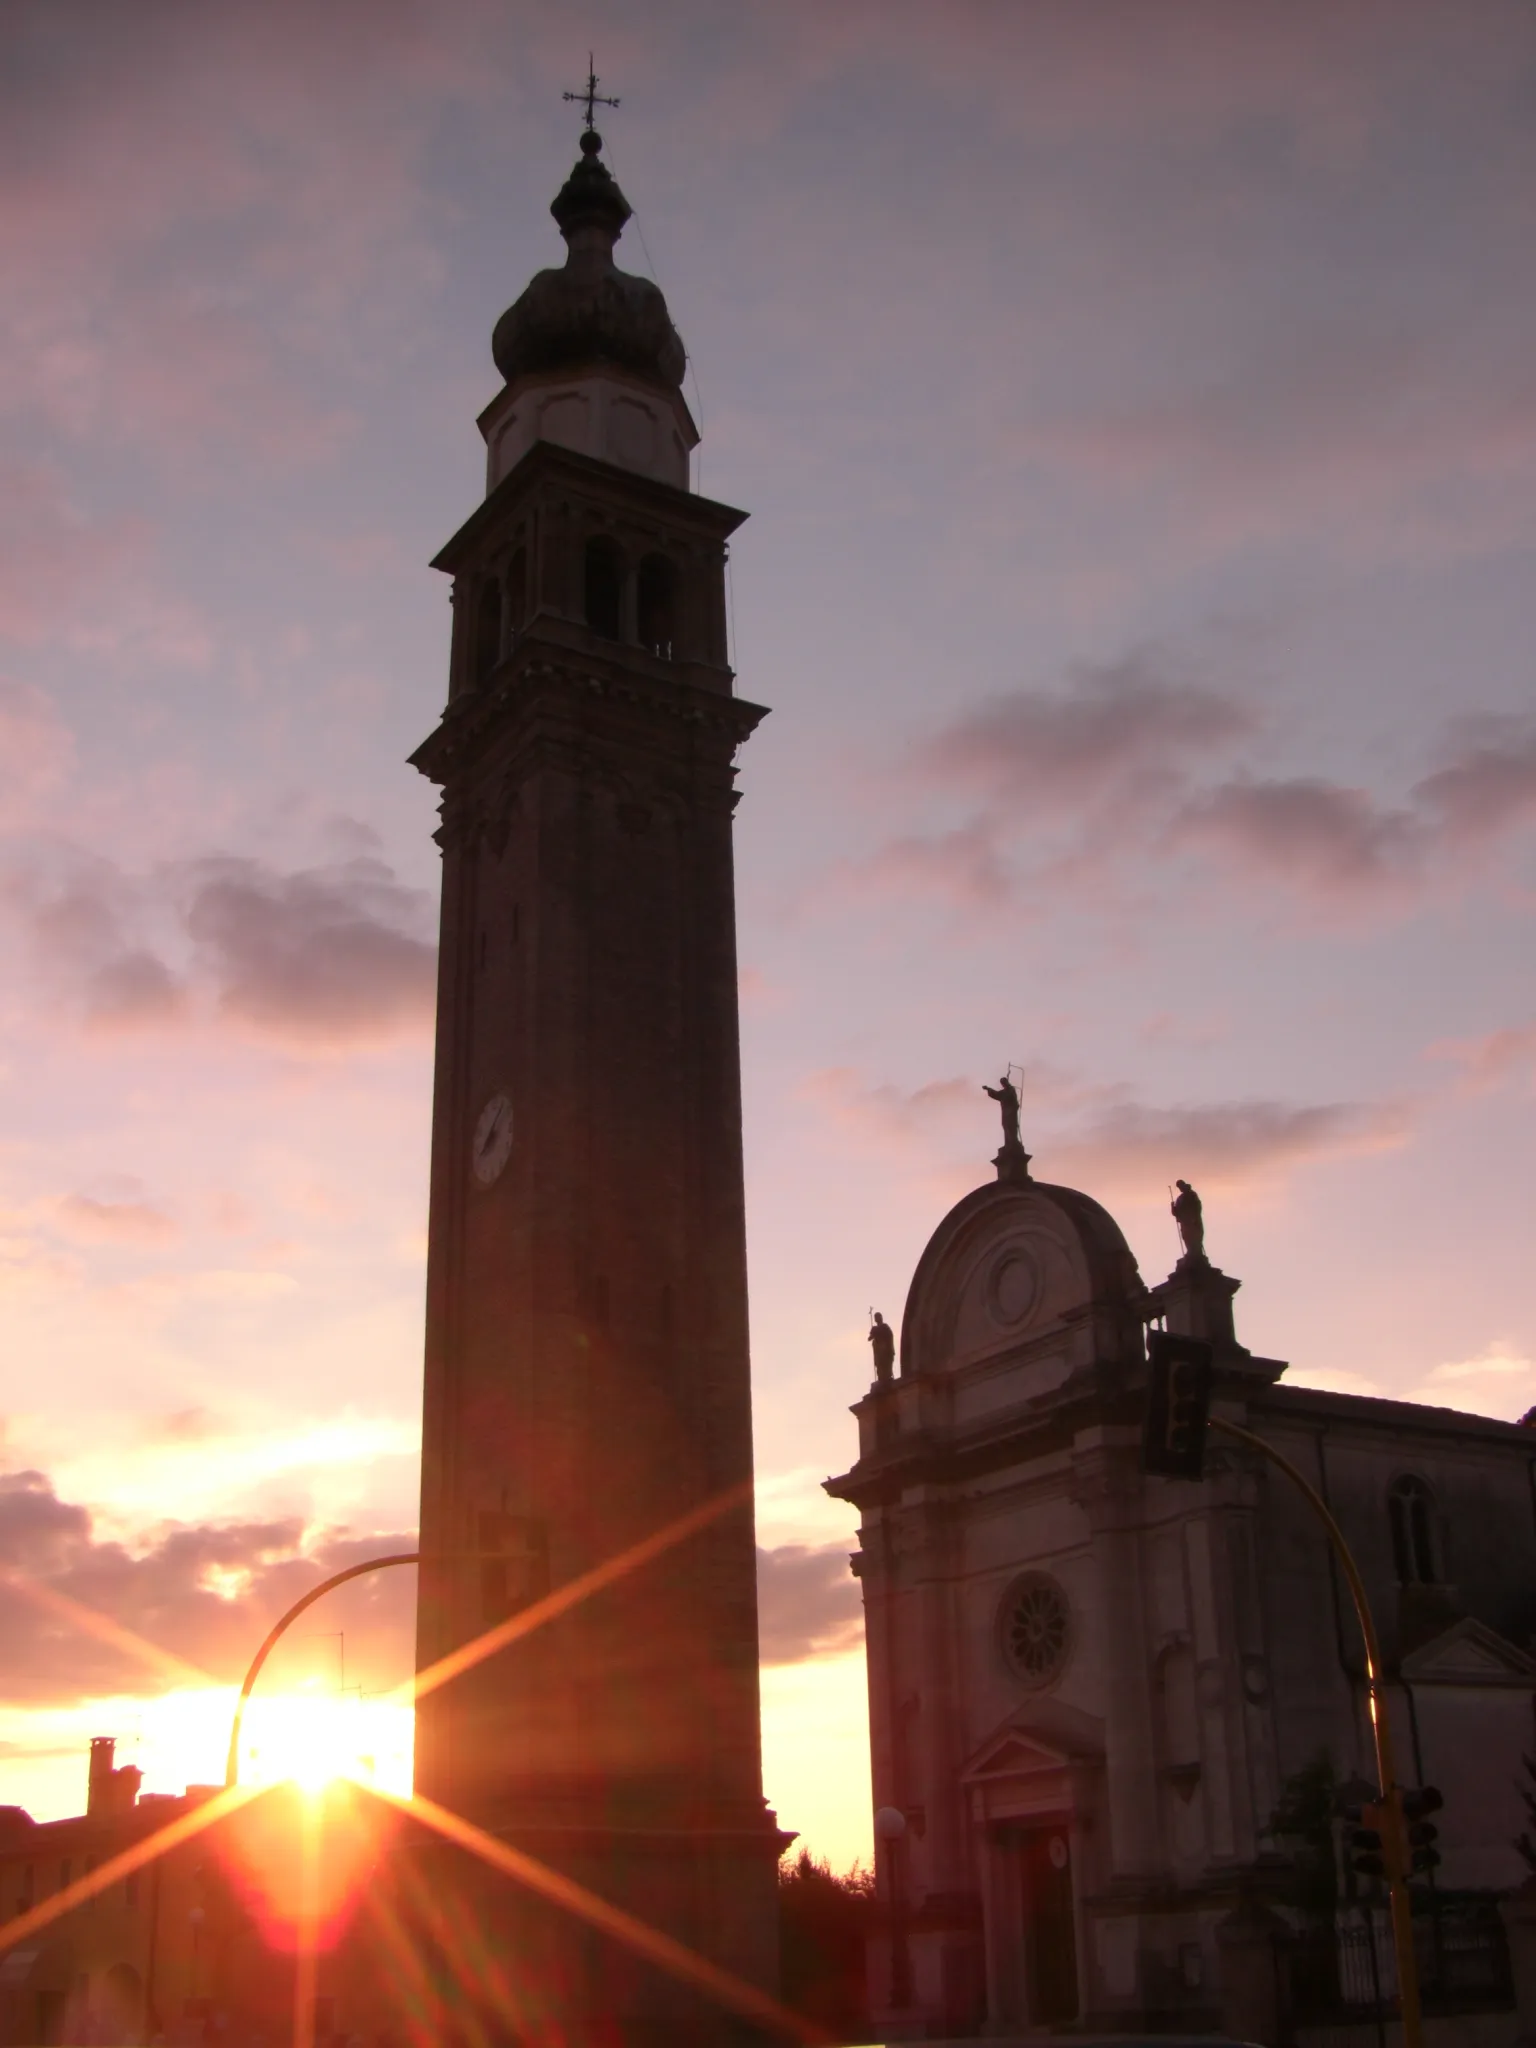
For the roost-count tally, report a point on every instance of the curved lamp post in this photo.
(353, 1571)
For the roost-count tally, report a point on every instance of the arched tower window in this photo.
(1410, 1507)
(487, 629)
(604, 586)
(656, 605)
(517, 590)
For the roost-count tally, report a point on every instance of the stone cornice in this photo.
(926, 1457)
(1300, 1405)
(474, 722)
(684, 508)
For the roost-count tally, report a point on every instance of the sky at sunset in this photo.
(1135, 406)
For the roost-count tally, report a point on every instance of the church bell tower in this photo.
(586, 1379)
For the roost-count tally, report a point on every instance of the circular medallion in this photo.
(1036, 1628)
(1013, 1285)
(492, 1140)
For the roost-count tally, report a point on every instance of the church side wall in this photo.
(1467, 1738)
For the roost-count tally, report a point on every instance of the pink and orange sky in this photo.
(1135, 408)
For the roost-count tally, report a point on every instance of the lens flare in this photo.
(300, 1861)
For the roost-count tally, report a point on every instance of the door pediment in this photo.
(1469, 1653)
(1046, 1736)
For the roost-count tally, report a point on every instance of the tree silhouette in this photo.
(824, 1920)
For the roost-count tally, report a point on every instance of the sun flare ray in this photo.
(113, 1633)
(571, 1594)
(650, 1942)
(107, 1874)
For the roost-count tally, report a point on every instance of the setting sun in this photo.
(313, 1737)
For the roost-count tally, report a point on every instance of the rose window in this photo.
(1037, 1628)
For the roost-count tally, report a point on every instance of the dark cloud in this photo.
(324, 956)
(1488, 785)
(131, 990)
(1319, 835)
(808, 1602)
(319, 958)
(1119, 723)
(206, 1593)
(1309, 832)
(1087, 791)
(1137, 1144)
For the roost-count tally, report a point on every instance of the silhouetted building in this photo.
(199, 1945)
(586, 1355)
(1088, 1687)
(132, 1962)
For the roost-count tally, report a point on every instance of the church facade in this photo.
(1090, 1689)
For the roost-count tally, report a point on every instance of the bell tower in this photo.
(586, 1380)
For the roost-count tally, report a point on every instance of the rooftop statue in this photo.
(1006, 1096)
(1187, 1213)
(882, 1340)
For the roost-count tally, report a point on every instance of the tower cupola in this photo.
(589, 353)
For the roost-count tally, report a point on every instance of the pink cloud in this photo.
(965, 866)
(86, 584)
(126, 1222)
(203, 206)
(1493, 1060)
(883, 1111)
(51, 556)
(37, 749)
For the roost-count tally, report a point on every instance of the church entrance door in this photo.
(1050, 1935)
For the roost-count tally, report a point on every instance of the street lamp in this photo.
(891, 1829)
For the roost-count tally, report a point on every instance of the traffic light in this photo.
(1178, 1404)
(1368, 1825)
(1422, 1833)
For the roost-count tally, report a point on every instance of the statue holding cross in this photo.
(1006, 1096)
(1012, 1162)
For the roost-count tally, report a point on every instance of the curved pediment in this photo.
(1008, 1265)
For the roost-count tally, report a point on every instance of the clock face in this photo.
(492, 1140)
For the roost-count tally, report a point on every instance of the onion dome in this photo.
(590, 313)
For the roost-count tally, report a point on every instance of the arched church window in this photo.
(1410, 1508)
(604, 586)
(656, 605)
(517, 590)
(1035, 1623)
(487, 628)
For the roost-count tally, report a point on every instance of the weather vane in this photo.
(591, 98)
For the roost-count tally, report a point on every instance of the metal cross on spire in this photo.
(591, 98)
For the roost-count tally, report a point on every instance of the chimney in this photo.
(98, 1799)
